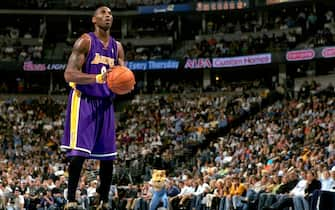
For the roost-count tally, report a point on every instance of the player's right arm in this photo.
(76, 61)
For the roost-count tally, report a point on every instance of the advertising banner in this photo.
(30, 66)
(242, 60)
(207, 63)
(328, 52)
(300, 55)
(163, 8)
(198, 63)
(152, 65)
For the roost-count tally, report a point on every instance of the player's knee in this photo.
(106, 163)
(77, 160)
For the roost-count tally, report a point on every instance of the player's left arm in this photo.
(120, 54)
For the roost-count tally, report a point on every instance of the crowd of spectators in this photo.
(29, 136)
(85, 4)
(19, 43)
(255, 34)
(227, 35)
(281, 157)
(245, 46)
(271, 160)
(323, 37)
(289, 141)
(33, 169)
(147, 53)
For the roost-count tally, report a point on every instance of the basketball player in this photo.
(89, 130)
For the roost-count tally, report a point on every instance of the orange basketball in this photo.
(120, 80)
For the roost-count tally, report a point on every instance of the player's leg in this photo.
(106, 175)
(75, 167)
(105, 150)
(78, 140)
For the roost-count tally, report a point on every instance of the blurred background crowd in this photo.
(247, 138)
(226, 148)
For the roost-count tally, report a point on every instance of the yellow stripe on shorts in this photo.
(75, 106)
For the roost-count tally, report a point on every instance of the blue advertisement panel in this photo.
(152, 65)
(163, 8)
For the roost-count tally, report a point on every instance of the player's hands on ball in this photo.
(120, 80)
(101, 78)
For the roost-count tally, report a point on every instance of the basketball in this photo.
(120, 80)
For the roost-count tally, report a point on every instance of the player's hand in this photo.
(101, 78)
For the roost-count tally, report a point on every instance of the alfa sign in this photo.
(207, 63)
(30, 66)
(198, 63)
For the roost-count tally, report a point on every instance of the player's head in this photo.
(103, 18)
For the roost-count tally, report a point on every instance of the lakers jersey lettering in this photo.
(100, 59)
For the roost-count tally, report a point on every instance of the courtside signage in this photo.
(242, 60)
(30, 66)
(152, 65)
(300, 55)
(328, 52)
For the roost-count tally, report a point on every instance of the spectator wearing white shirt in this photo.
(185, 193)
(296, 192)
(201, 187)
(187, 189)
(327, 182)
(199, 192)
(299, 189)
(92, 190)
(18, 199)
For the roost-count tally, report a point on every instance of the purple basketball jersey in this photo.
(89, 129)
(98, 60)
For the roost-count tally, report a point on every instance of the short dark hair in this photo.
(98, 6)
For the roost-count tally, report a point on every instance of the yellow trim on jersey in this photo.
(75, 105)
(73, 85)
